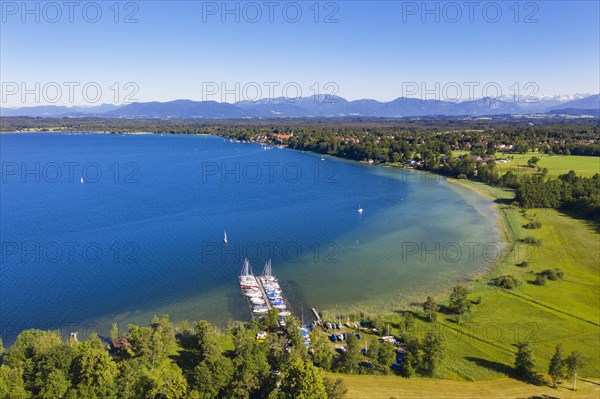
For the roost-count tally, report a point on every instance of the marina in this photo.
(263, 293)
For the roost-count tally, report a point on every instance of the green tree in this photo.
(556, 370)
(372, 349)
(213, 375)
(408, 371)
(433, 347)
(271, 319)
(408, 322)
(458, 301)
(114, 331)
(293, 333)
(413, 347)
(430, 307)
(56, 386)
(335, 389)
(169, 383)
(351, 357)
(94, 369)
(12, 385)
(206, 338)
(132, 382)
(386, 356)
(301, 380)
(38, 354)
(532, 162)
(152, 343)
(251, 369)
(574, 364)
(28, 344)
(163, 337)
(51, 371)
(321, 352)
(524, 361)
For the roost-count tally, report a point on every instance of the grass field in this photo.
(385, 387)
(556, 164)
(481, 347)
(567, 311)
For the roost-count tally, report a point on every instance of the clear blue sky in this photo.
(176, 48)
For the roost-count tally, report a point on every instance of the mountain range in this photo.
(319, 106)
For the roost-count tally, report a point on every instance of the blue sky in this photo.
(380, 50)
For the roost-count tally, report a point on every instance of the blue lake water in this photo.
(143, 233)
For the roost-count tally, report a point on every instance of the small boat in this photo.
(360, 210)
(322, 158)
(82, 180)
(225, 238)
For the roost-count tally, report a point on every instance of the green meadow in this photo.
(556, 164)
(386, 387)
(566, 311)
(480, 346)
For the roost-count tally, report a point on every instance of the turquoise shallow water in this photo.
(143, 233)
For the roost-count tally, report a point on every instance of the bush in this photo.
(540, 279)
(531, 240)
(552, 274)
(508, 282)
(462, 176)
(533, 225)
(523, 264)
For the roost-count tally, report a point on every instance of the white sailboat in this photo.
(247, 279)
(81, 180)
(225, 238)
(267, 271)
(360, 210)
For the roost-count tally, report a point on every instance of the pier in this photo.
(317, 317)
(263, 293)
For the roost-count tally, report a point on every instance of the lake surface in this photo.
(142, 233)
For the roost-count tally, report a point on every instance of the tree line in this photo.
(161, 361)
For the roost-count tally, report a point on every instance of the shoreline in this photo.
(499, 222)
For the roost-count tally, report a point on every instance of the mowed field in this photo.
(480, 348)
(386, 387)
(482, 345)
(556, 164)
(567, 311)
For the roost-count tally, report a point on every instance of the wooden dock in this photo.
(316, 313)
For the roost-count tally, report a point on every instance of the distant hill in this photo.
(58, 111)
(179, 109)
(576, 112)
(591, 102)
(317, 106)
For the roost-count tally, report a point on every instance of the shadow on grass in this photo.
(494, 366)
(591, 221)
(504, 201)
(589, 381)
(187, 358)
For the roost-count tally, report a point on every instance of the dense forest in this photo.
(257, 359)
(246, 360)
